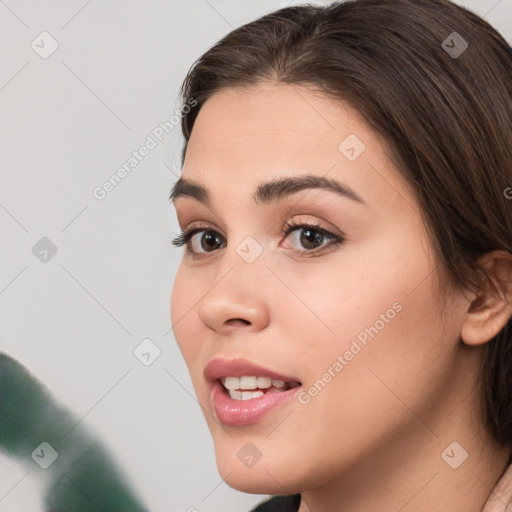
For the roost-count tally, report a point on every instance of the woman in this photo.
(344, 300)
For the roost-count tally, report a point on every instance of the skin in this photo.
(372, 438)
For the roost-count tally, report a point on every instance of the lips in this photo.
(243, 392)
(218, 368)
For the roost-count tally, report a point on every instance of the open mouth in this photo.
(248, 387)
(243, 392)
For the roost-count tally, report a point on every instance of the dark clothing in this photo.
(279, 504)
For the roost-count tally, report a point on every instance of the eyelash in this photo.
(186, 234)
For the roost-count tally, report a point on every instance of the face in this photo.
(327, 295)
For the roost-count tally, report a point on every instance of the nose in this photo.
(236, 300)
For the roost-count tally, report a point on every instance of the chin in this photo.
(244, 468)
(259, 482)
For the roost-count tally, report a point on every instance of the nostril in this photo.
(237, 320)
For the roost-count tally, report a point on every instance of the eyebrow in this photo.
(269, 191)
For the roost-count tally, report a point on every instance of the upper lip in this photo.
(239, 367)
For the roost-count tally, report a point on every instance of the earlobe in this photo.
(491, 307)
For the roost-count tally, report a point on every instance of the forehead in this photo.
(277, 116)
(243, 136)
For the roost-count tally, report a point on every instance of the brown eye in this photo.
(199, 240)
(306, 238)
(311, 238)
(209, 240)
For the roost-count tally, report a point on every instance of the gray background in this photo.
(67, 123)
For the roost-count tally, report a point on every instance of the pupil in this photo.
(310, 236)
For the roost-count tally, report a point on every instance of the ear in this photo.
(491, 305)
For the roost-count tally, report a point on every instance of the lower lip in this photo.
(245, 412)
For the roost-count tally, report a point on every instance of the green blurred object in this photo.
(80, 474)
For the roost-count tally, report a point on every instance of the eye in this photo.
(208, 241)
(309, 238)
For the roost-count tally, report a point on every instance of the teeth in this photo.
(264, 382)
(249, 382)
(245, 395)
(231, 382)
(248, 395)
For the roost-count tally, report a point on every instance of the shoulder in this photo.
(279, 504)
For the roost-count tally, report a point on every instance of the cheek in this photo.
(389, 343)
(185, 328)
(333, 303)
(376, 315)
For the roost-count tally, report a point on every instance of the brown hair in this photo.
(443, 109)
